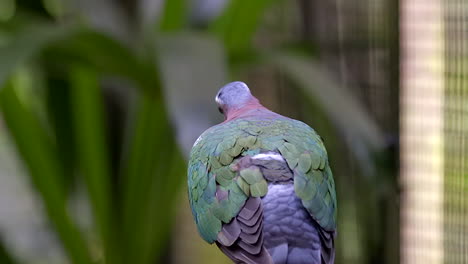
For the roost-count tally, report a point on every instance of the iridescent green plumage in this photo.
(212, 163)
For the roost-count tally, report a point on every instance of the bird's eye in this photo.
(220, 110)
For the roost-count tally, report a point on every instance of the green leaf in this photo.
(5, 256)
(28, 42)
(163, 201)
(40, 157)
(151, 147)
(57, 105)
(106, 55)
(237, 25)
(55, 8)
(174, 15)
(92, 154)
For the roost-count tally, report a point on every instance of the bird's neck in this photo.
(245, 110)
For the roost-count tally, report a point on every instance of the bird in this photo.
(260, 185)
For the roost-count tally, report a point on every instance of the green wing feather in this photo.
(210, 166)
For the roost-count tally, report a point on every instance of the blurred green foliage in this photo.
(53, 71)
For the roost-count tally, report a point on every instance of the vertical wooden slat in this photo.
(422, 82)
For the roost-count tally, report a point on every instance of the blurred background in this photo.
(101, 101)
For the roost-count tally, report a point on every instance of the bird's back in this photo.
(298, 209)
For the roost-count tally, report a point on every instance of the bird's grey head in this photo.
(232, 96)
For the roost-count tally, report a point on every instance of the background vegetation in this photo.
(104, 99)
